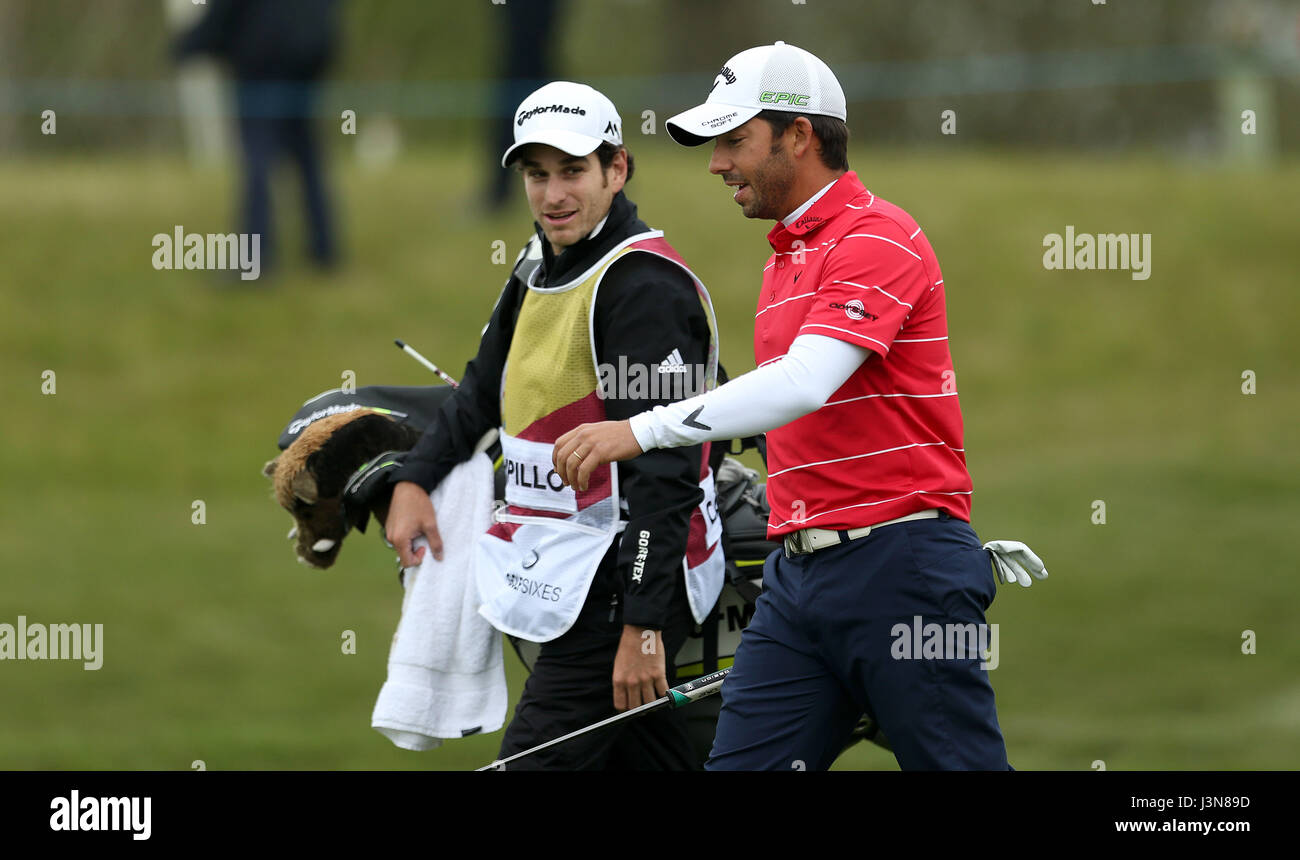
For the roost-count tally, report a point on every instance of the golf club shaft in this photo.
(679, 696)
(500, 764)
(409, 350)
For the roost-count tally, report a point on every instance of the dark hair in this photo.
(606, 152)
(832, 133)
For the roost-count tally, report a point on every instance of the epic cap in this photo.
(571, 117)
(769, 77)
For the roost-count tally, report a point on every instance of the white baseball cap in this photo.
(571, 117)
(769, 77)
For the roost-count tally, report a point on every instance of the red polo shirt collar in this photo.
(846, 188)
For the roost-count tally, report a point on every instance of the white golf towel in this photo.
(446, 673)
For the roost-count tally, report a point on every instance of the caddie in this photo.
(867, 478)
(600, 319)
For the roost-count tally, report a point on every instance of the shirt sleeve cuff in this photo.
(643, 428)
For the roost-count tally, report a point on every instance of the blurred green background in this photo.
(1075, 386)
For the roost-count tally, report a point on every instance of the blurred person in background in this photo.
(278, 52)
(526, 65)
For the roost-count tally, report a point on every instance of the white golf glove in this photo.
(1014, 562)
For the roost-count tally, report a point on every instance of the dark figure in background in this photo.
(526, 44)
(278, 52)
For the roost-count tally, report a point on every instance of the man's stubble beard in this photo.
(775, 177)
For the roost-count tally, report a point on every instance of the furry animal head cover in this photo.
(308, 478)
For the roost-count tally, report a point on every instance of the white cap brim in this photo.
(705, 122)
(566, 141)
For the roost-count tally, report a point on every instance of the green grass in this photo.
(1076, 386)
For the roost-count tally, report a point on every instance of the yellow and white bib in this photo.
(535, 564)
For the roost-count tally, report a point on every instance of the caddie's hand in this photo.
(410, 515)
(580, 451)
(1014, 562)
(639, 674)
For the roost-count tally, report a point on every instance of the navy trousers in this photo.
(824, 647)
(275, 119)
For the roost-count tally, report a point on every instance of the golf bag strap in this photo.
(743, 585)
(709, 631)
(368, 489)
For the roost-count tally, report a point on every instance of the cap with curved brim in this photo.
(566, 141)
(701, 124)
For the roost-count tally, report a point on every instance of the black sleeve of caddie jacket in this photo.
(473, 409)
(647, 308)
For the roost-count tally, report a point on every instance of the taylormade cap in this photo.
(769, 77)
(571, 117)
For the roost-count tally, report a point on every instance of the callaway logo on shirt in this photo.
(853, 309)
(689, 420)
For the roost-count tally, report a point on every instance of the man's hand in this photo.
(639, 674)
(580, 451)
(410, 514)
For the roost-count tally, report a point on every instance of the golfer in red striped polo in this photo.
(867, 471)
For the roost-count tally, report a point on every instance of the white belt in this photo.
(810, 540)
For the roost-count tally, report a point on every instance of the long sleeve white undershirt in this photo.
(765, 398)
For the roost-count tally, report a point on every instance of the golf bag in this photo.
(414, 405)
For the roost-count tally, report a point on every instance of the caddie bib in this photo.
(535, 564)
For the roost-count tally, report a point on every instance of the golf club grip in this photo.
(700, 688)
